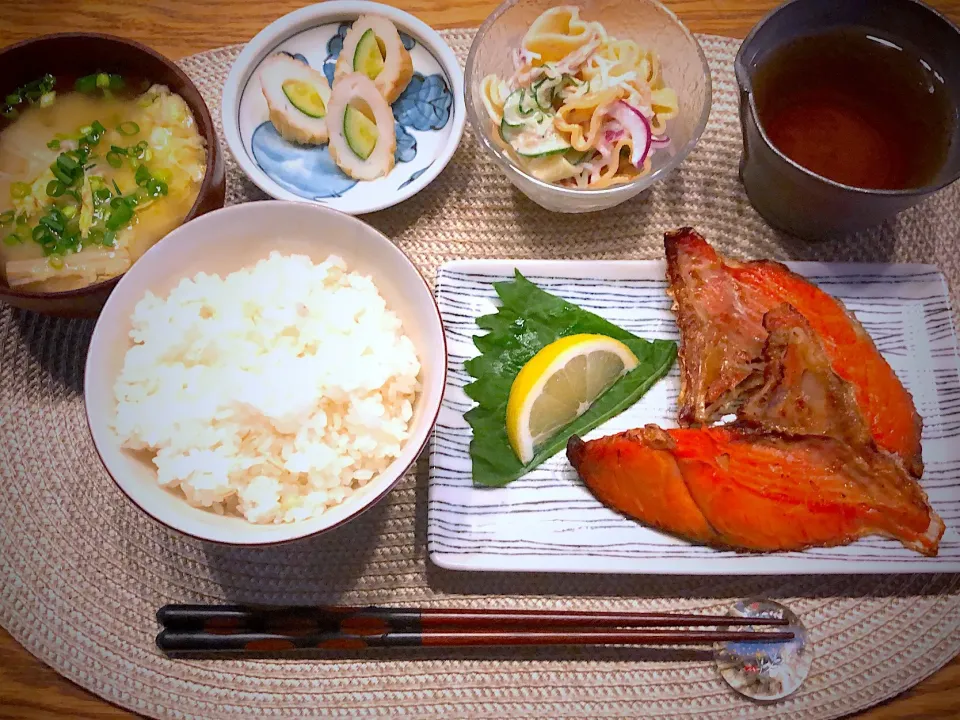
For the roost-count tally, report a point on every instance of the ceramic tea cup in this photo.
(792, 197)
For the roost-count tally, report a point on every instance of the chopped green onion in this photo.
(114, 160)
(101, 194)
(163, 174)
(118, 150)
(39, 233)
(94, 132)
(142, 175)
(51, 224)
(69, 211)
(22, 219)
(117, 188)
(103, 80)
(61, 175)
(11, 239)
(19, 190)
(139, 149)
(156, 188)
(7, 217)
(86, 130)
(109, 238)
(38, 90)
(56, 262)
(54, 144)
(117, 82)
(86, 84)
(121, 215)
(55, 188)
(95, 235)
(71, 236)
(128, 128)
(74, 194)
(67, 163)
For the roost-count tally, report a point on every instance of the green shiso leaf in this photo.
(529, 319)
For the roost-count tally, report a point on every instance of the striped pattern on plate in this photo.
(547, 520)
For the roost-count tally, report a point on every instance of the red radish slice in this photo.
(639, 128)
(613, 131)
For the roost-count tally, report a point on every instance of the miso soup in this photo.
(91, 177)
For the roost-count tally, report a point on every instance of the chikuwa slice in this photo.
(297, 97)
(362, 134)
(373, 47)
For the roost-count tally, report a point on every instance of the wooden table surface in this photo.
(28, 688)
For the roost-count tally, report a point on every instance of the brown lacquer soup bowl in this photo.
(68, 56)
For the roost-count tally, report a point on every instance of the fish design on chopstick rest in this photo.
(766, 492)
(720, 305)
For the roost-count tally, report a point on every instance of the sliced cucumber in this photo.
(511, 109)
(528, 103)
(563, 83)
(509, 132)
(575, 157)
(360, 132)
(551, 145)
(368, 57)
(304, 97)
(543, 91)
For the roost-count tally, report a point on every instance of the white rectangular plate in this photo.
(548, 521)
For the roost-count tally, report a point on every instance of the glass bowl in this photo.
(648, 23)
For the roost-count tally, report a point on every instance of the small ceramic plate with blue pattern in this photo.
(429, 114)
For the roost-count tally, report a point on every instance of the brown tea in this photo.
(857, 108)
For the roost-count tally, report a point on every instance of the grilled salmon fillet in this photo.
(720, 305)
(739, 489)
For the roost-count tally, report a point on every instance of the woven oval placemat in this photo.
(82, 571)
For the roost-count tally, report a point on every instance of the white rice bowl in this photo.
(275, 392)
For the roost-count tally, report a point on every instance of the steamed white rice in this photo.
(275, 392)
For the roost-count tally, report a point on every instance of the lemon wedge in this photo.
(559, 384)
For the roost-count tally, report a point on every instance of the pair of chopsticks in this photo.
(237, 629)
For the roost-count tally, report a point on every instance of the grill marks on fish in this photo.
(720, 337)
(731, 334)
(798, 392)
